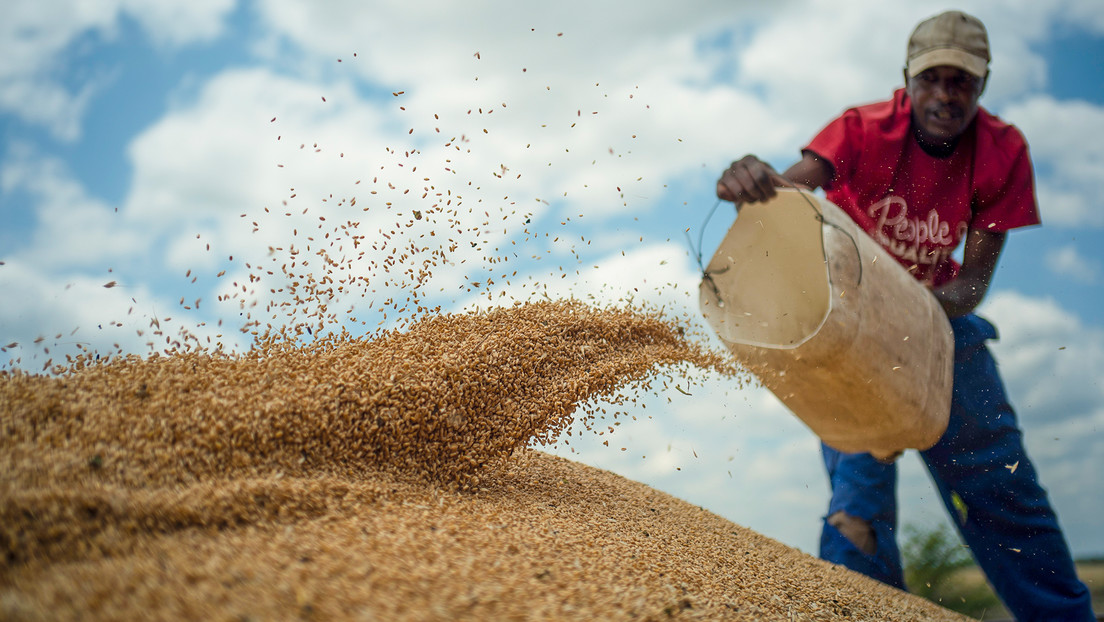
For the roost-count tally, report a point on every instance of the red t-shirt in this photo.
(919, 207)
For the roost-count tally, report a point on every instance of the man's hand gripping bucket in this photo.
(832, 325)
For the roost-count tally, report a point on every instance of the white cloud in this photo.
(641, 71)
(86, 276)
(179, 22)
(220, 155)
(1067, 262)
(1050, 360)
(65, 315)
(1056, 132)
(1087, 14)
(653, 274)
(854, 61)
(434, 39)
(37, 39)
(46, 103)
(259, 163)
(74, 231)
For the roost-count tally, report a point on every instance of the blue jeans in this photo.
(1002, 512)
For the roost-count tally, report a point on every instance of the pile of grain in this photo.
(376, 479)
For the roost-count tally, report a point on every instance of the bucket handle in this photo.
(820, 218)
(707, 276)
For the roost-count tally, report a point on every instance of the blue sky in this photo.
(129, 129)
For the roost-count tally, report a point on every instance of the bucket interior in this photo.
(767, 283)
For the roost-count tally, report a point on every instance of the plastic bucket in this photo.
(829, 321)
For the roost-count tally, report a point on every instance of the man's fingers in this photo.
(723, 192)
(738, 189)
(729, 188)
(755, 184)
(750, 180)
(763, 178)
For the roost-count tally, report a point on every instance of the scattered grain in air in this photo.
(322, 474)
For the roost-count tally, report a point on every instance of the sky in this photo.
(153, 155)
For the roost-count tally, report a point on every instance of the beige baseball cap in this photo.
(952, 38)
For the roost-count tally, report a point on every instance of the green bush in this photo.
(940, 568)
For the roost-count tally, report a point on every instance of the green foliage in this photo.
(930, 557)
(939, 568)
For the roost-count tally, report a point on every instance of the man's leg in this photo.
(860, 529)
(990, 488)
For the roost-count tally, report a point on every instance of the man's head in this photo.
(948, 62)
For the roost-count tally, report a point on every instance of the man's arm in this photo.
(961, 295)
(750, 180)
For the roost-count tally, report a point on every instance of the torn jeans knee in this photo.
(855, 529)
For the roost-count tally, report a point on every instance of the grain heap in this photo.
(372, 479)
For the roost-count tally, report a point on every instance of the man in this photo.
(921, 173)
